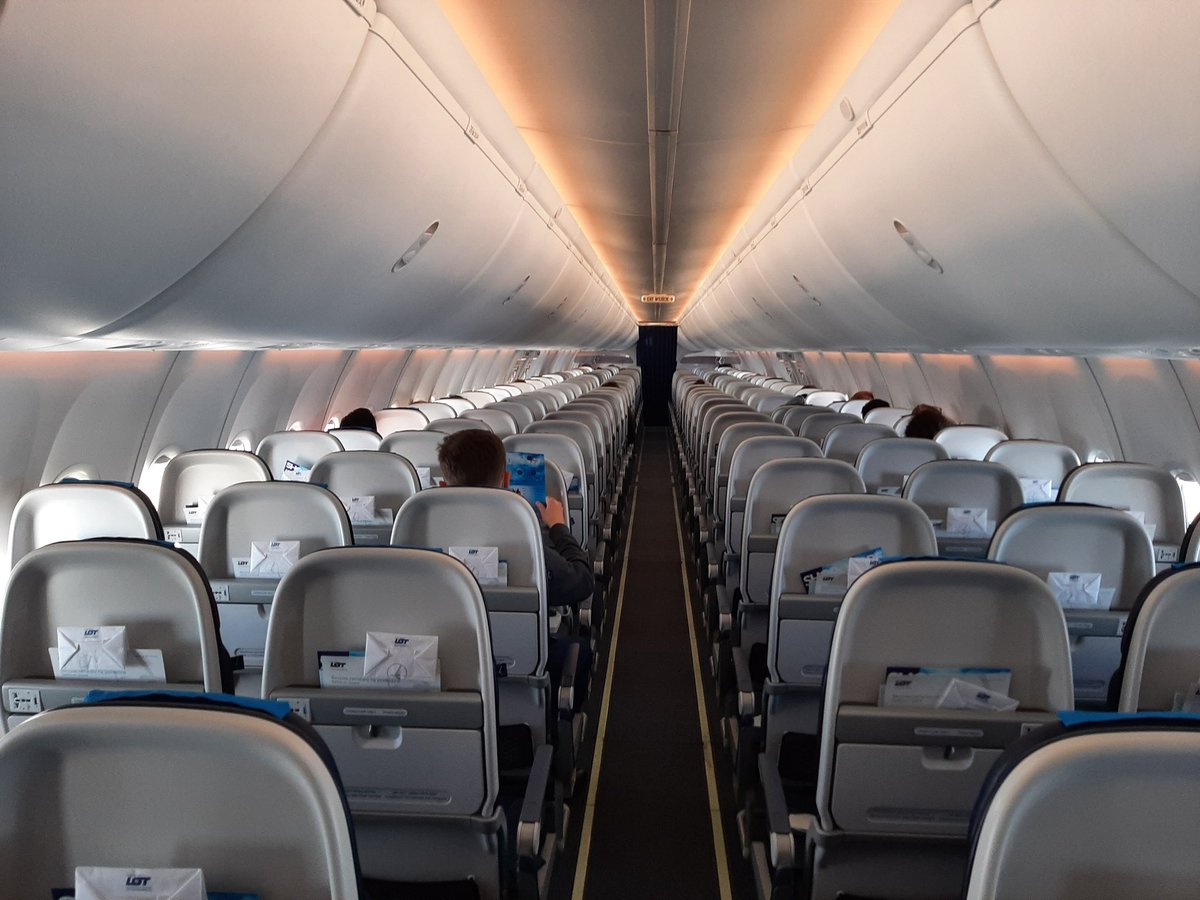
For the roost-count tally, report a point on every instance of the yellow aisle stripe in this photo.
(585, 840)
(714, 803)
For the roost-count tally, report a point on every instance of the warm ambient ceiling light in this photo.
(504, 40)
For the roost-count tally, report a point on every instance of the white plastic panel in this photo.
(829, 370)
(1054, 398)
(139, 136)
(906, 384)
(194, 401)
(453, 371)
(797, 260)
(282, 387)
(1150, 410)
(368, 380)
(419, 376)
(959, 385)
(1112, 89)
(1027, 262)
(85, 407)
(866, 375)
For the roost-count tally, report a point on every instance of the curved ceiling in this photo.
(663, 122)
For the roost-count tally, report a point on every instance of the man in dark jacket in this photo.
(476, 458)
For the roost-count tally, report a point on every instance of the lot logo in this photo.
(138, 881)
(91, 632)
(400, 642)
(337, 665)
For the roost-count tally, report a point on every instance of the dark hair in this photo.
(875, 403)
(862, 395)
(473, 458)
(926, 421)
(359, 418)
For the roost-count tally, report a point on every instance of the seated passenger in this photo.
(926, 421)
(476, 458)
(861, 395)
(873, 403)
(359, 418)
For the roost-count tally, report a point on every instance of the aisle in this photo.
(651, 829)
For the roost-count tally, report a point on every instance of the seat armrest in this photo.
(724, 598)
(783, 844)
(714, 558)
(747, 702)
(529, 826)
(566, 686)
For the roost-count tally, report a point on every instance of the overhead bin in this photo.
(1016, 257)
(1113, 91)
(942, 222)
(138, 136)
(399, 224)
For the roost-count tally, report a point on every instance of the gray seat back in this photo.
(388, 478)
(1163, 654)
(1137, 487)
(886, 465)
(969, 441)
(943, 484)
(971, 614)
(1046, 829)
(419, 448)
(156, 787)
(565, 454)
(74, 511)
(775, 488)
(1086, 541)
(846, 441)
(886, 415)
(489, 517)
(391, 420)
(816, 427)
(445, 763)
(158, 593)
(244, 514)
(747, 457)
(521, 414)
(794, 416)
(1043, 460)
(301, 447)
(498, 420)
(450, 426)
(357, 438)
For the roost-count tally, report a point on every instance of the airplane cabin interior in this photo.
(552, 450)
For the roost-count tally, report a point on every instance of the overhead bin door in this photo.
(137, 137)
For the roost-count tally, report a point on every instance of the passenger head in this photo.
(473, 458)
(874, 403)
(862, 395)
(926, 421)
(359, 418)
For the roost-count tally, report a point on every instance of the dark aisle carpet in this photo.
(652, 835)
